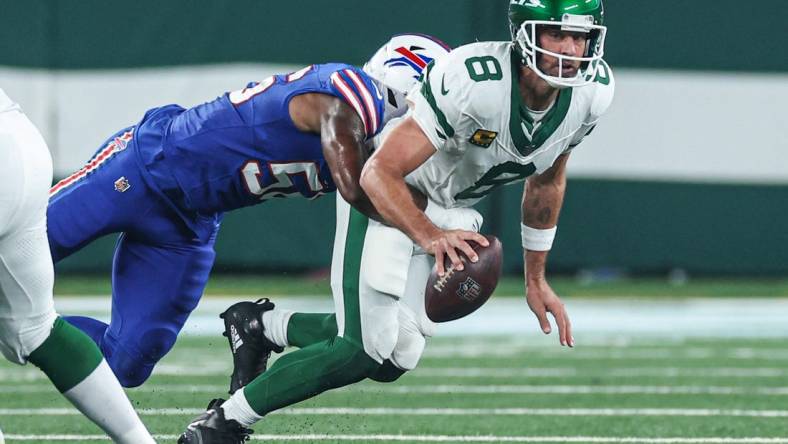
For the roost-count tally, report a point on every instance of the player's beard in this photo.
(550, 66)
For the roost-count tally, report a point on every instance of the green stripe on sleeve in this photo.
(426, 91)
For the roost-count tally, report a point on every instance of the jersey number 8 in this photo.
(484, 68)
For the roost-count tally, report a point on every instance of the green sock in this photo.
(307, 372)
(305, 329)
(67, 357)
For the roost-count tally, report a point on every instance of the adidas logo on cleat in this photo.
(237, 342)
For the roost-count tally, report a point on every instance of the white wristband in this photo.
(535, 239)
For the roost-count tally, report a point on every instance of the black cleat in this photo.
(243, 327)
(212, 428)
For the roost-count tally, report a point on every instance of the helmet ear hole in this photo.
(591, 42)
(392, 98)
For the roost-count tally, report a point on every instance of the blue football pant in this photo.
(159, 269)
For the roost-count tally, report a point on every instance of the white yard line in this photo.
(641, 318)
(618, 372)
(494, 349)
(16, 375)
(579, 390)
(376, 411)
(464, 389)
(444, 438)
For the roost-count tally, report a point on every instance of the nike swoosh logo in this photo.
(444, 91)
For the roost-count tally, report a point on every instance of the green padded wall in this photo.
(86, 34)
(641, 227)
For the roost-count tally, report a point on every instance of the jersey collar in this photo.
(527, 135)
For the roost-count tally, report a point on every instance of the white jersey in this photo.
(6, 103)
(469, 106)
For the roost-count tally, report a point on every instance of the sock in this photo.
(75, 366)
(94, 328)
(275, 322)
(305, 329)
(238, 409)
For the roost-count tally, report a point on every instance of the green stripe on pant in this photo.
(328, 364)
(351, 274)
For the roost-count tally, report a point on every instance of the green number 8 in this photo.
(484, 68)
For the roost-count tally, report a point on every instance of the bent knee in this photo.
(410, 341)
(408, 351)
(130, 371)
(133, 365)
(380, 329)
(21, 337)
(356, 362)
(387, 372)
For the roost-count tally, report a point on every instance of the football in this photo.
(457, 294)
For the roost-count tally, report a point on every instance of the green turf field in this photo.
(506, 389)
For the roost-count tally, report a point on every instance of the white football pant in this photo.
(392, 276)
(26, 274)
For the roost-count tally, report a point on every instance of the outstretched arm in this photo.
(542, 200)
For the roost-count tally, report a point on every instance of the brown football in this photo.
(460, 293)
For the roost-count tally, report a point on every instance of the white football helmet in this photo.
(582, 16)
(397, 67)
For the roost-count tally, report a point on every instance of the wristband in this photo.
(535, 239)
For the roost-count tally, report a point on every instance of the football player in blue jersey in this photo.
(164, 184)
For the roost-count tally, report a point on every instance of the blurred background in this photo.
(686, 176)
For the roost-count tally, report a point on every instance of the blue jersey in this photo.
(243, 148)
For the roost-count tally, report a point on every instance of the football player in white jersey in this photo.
(493, 113)
(356, 342)
(456, 145)
(30, 330)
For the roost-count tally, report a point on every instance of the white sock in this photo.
(275, 322)
(238, 408)
(101, 398)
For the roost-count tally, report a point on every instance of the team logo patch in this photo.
(483, 138)
(469, 290)
(120, 144)
(122, 185)
(409, 57)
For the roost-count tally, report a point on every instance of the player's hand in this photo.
(542, 300)
(449, 242)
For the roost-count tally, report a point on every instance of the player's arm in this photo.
(542, 200)
(343, 139)
(383, 178)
